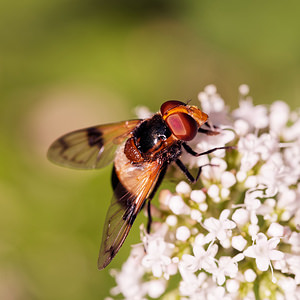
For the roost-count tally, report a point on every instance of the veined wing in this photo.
(132, 186)
(90, 148)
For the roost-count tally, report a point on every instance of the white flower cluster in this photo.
(235, 234)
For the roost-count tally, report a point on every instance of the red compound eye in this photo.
(169, 105)
(183, 126)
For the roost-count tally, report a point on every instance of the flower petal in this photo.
(262, 263)
(276, 255)
(250, 252)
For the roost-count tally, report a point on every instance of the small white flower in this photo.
(227, 266)
(254, 148)
(213, 192)
(241, 216)
(250, 296)
(183, 188)
(225, 193)
(253, 203)
(253, 229)
(268, 145)
(191, 283)
(244, 89)
(291, 157)
(200, 287)
(275, 174)
(213, 105)
(293, 266)
(241, 176)
(247, 146)
(177, 205)
(294, 240)
(219, 228)
(155, 288)
(289, 288)
(164, 199)
(238, 242)
(203, 207)
(143, 112)
(198, 196)
(207, 142)
(251, 182)
(196, 215)
(182, 233)
(249, 275)
(129, 279)
(215, 173)
(200, 240)
(157, 256)
(202, 259)
(232, 286)
(171, 220)
(228, 179)
(288, 202)
(258, 183)
(241, 127)
(264, 251)
(256, 116)
(291, 133)
(279, 115)
(275, 229)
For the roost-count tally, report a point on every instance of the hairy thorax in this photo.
(152, 140)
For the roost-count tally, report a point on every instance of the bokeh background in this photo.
(66, 64)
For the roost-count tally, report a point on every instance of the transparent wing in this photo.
(127, 201)
(92, 147)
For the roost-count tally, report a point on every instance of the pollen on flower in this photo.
(235, 234)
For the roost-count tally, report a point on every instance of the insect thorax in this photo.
(152, 140)
(150, 134)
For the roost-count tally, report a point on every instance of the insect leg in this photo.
(192, 152)
(208, 131)
(149, 216)
(157, 185)
(210, 125)
(186, 172)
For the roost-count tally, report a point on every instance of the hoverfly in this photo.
(141, 150)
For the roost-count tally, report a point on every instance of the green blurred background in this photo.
(67, 64)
